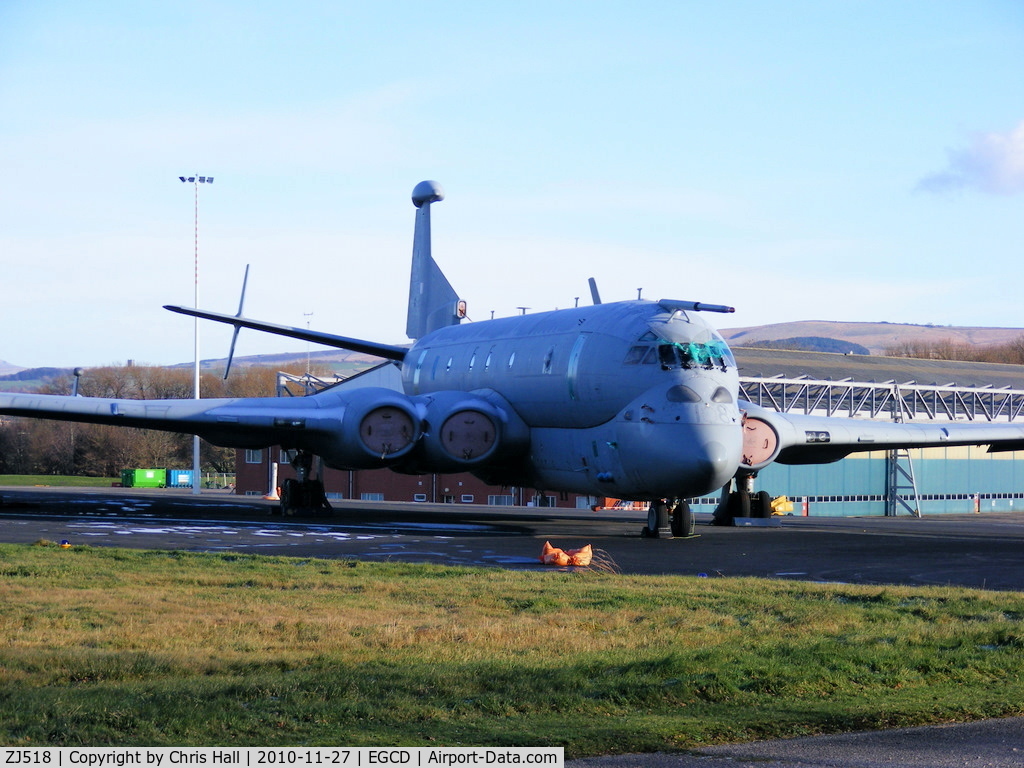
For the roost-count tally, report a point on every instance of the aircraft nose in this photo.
(718, 465)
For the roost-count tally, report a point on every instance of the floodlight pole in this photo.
(196, 474)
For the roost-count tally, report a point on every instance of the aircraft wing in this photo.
(789, 438)
(357, 428)
(387, 351)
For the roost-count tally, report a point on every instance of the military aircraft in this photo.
(637, 400)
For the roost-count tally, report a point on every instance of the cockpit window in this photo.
(641, 354)
(635, 355)
(713, 354)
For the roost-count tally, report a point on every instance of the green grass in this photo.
(118, 647)
(62, 481)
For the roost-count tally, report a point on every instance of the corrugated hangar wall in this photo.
(956, 480)
(948, 480)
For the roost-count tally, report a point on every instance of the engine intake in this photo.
(377, 428)
(467, 435)
(760, 443)
(387, 430)
(464, 431)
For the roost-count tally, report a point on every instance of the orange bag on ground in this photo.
(581, 556)
(559, 557)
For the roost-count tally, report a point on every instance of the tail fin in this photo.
(433, 303)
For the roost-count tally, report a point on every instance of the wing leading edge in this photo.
(789, 438)
(333, 423)
(387, 351)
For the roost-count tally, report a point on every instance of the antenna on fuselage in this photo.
(593, 291)
(234, 336)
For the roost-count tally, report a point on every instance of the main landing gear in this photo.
(303, 496)
(742, 502)
(668, 519)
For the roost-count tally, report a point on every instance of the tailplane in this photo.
(433, 303)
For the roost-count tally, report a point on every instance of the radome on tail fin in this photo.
(433, 303)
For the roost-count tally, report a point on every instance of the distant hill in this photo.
(339, 361)
(809, 335)
(29, 379)
(28, 374)
(812, 344)
(876, 337)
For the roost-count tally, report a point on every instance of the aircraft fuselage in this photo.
(630, 399)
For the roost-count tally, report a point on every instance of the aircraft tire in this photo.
(652, 519)
(682, 520)
(657, 520)
(739, 506)
(762, 505)
(724, 512)
(289, 496)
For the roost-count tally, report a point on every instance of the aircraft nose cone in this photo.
(719, 464)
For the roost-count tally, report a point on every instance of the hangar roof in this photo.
(767, 363)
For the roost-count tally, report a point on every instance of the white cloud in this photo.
(993, 163)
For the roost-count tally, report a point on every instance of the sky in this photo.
(821, 160)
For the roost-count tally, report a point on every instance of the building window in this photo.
(372, 496)
(419, 497)
(253, 456)
(467, 498)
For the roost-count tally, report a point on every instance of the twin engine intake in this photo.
(442, 432)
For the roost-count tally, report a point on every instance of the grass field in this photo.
(122, 647)
(57, 481)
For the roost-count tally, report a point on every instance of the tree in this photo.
(34, 446)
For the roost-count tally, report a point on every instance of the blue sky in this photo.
(855, 161)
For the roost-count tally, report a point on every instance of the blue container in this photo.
(179, 478)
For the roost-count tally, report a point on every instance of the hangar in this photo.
(921, 481)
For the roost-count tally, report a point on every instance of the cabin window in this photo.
(511, 359)
(449, 366)
(487, 362)
(547, 360)
(472, 360)
(418, 369)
